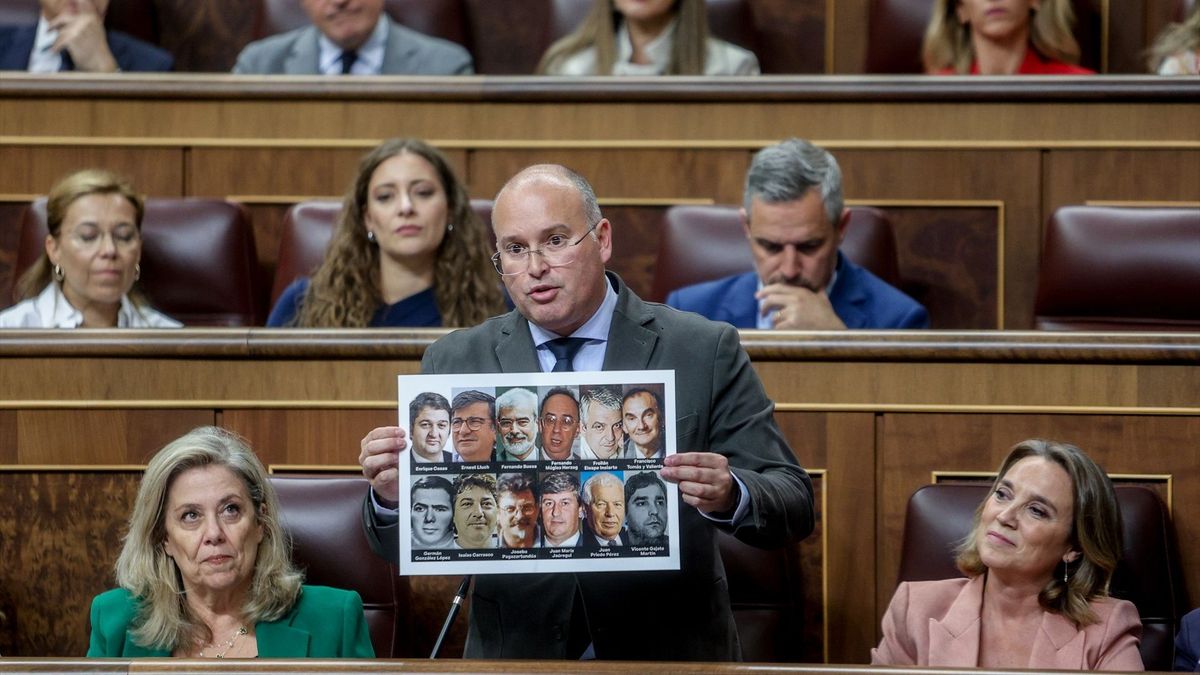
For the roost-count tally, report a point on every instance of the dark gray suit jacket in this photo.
(721, 407)
(407, 53)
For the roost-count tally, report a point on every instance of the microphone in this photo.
(455, 605)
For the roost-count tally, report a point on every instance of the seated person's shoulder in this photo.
(115, 608)
(134, 55)
(437, 56)
(325, 600)
(725, 58)
(698, 297)
(890, 306)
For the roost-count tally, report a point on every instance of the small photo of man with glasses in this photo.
(473, 426)
(558, 418)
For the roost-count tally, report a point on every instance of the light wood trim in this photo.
(588, 144)
(993, 409)
(315, 468)
(62, 468)
(1143, 204)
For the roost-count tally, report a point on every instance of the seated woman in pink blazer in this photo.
(1040, 557)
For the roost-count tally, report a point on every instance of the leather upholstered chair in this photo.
(1106, 268)
(1148, 575)
(198, 260)
(766, 593)
(702, 243)
(323, 515)
(440, 18)
(307, 229)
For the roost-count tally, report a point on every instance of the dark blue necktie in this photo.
(564, 351)
(348, 58)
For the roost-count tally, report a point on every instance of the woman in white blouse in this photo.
(646, 37)
(85, 277)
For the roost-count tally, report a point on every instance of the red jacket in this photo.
(1033, 65)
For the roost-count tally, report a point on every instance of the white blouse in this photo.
(50, 309)
(720, 57)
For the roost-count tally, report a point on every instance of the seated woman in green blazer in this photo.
(205, 570)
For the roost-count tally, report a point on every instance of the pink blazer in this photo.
(936, 623)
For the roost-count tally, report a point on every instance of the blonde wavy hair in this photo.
(65, 193)
(1095, 531)
(1175, 39)
(344, 290)
(599, 31)
(164, 620)
(948, 40)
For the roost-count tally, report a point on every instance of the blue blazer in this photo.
(324, 623)
(859, 298)
(131, 54)
(1187, 643)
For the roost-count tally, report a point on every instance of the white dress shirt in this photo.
(43, 59)
(370, 53)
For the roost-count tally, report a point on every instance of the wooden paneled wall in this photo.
(872, 416)
(968, 170)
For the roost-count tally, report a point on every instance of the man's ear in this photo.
(840, 226)
(745, 218)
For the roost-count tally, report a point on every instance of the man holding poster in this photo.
(734, 470)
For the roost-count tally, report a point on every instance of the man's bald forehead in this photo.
(553, 174)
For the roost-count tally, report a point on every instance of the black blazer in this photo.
(131, 54)
(721, 407)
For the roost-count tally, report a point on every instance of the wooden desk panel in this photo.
(872, 414)
(1019, 147)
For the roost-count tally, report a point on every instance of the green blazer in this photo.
(324, 623)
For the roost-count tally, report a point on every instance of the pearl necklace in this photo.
(228, 645)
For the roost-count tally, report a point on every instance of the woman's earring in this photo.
(137, 271)
(1066, 580)
(449, 227)
(58, 273)
(371, 236)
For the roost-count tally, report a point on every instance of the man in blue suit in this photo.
(70, 35)
(795, 220)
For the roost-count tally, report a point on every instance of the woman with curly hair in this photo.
(1001, 37)
(646, 37)
(408, 250)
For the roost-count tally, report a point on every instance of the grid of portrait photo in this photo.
(537, 472)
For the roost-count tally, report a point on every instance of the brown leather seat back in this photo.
(766, 594)
(702, 243)
(323, 515)
(307, 230)
(198, 260)
(440, 18)
(1106, 268)
(1149, 575)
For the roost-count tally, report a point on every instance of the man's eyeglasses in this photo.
(558, 251)
(473, 423)
(550, 419)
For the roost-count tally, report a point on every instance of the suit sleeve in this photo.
(1187, 643)
(743, 429)
(896, 647)
(1119, 649)
(916, 317)
(356, 637)
(383, 538)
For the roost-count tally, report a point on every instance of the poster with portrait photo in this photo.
(537, 472)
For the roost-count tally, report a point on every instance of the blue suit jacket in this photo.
(1187, 643)
(131, 54)
(859, 298)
